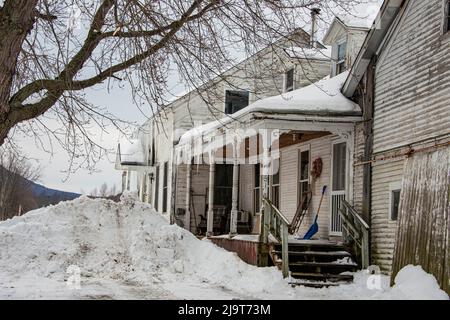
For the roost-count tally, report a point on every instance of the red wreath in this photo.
(317, 168)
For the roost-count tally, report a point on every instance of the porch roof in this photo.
(321, 102)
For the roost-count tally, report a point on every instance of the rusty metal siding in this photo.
(383, 230)
(423, 232)
(412, 91)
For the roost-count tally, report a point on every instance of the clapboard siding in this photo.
(289, 188)
(383, 230)
(412, 91)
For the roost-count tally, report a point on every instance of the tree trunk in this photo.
(16, 20)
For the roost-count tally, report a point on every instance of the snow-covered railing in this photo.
(278, 226)
(355, 227)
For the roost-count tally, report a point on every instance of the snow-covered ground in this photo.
(127, 251)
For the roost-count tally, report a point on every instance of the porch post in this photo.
(265, 223)
(235, 190)
(187, 222)
(124, 181)
(128, 180)
(210, 217)
(148, 189)
(141, 187)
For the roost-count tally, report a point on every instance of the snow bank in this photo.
(126, 242)
(127, 250)
(414, 283)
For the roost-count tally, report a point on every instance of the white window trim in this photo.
(300, 150)
(394, 186)
(336, 56)
(330, 190)
(255, 209)
(285, 90)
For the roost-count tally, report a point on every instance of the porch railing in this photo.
(277, 225)
(355, 227)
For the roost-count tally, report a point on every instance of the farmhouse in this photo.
(349, 138)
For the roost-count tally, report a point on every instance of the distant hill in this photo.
(45, 196)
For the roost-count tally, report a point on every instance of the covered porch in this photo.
(277, 155)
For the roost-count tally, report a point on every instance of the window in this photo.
(275, 194)
(257, 189)
(304, 170)
(394, 200)
(235, 101)
(223, 184)
(339, 166)
(340, 66)
(289, 80)
(447, 16)
(157, 189)
(165, 184)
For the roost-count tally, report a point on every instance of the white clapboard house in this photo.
(147, 158)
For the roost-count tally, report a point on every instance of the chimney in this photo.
(314, 13)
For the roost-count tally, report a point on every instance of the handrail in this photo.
(278, 226)
(355, 227)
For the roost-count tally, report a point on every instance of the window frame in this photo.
(394, 187)
(446, 20)
(285, 86)
(275, 187)
(300, 181)
(340, 63)
(225, 111)
(257, 206)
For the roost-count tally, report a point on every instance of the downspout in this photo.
(369, 107)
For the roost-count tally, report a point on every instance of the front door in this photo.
(338, 182)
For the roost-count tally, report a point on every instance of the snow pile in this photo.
(127, 250)
(127, 242)
(414, 283)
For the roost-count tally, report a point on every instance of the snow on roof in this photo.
(131, 152)
(309, 53)
(321, 98)
(362, 15)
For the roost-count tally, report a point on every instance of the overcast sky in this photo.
(119, 102)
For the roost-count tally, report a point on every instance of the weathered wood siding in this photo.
(383, 230)
(411, 104)
(423, 233)
(412, 91)
(289, 186)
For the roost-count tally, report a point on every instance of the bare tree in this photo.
(16, 194)
(51, 50)
(103, 192)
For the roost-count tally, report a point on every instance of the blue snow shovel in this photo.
(315, 227)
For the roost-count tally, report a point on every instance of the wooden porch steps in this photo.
(316, 263)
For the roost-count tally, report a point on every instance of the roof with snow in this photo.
(323, 98)
(131, 152)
